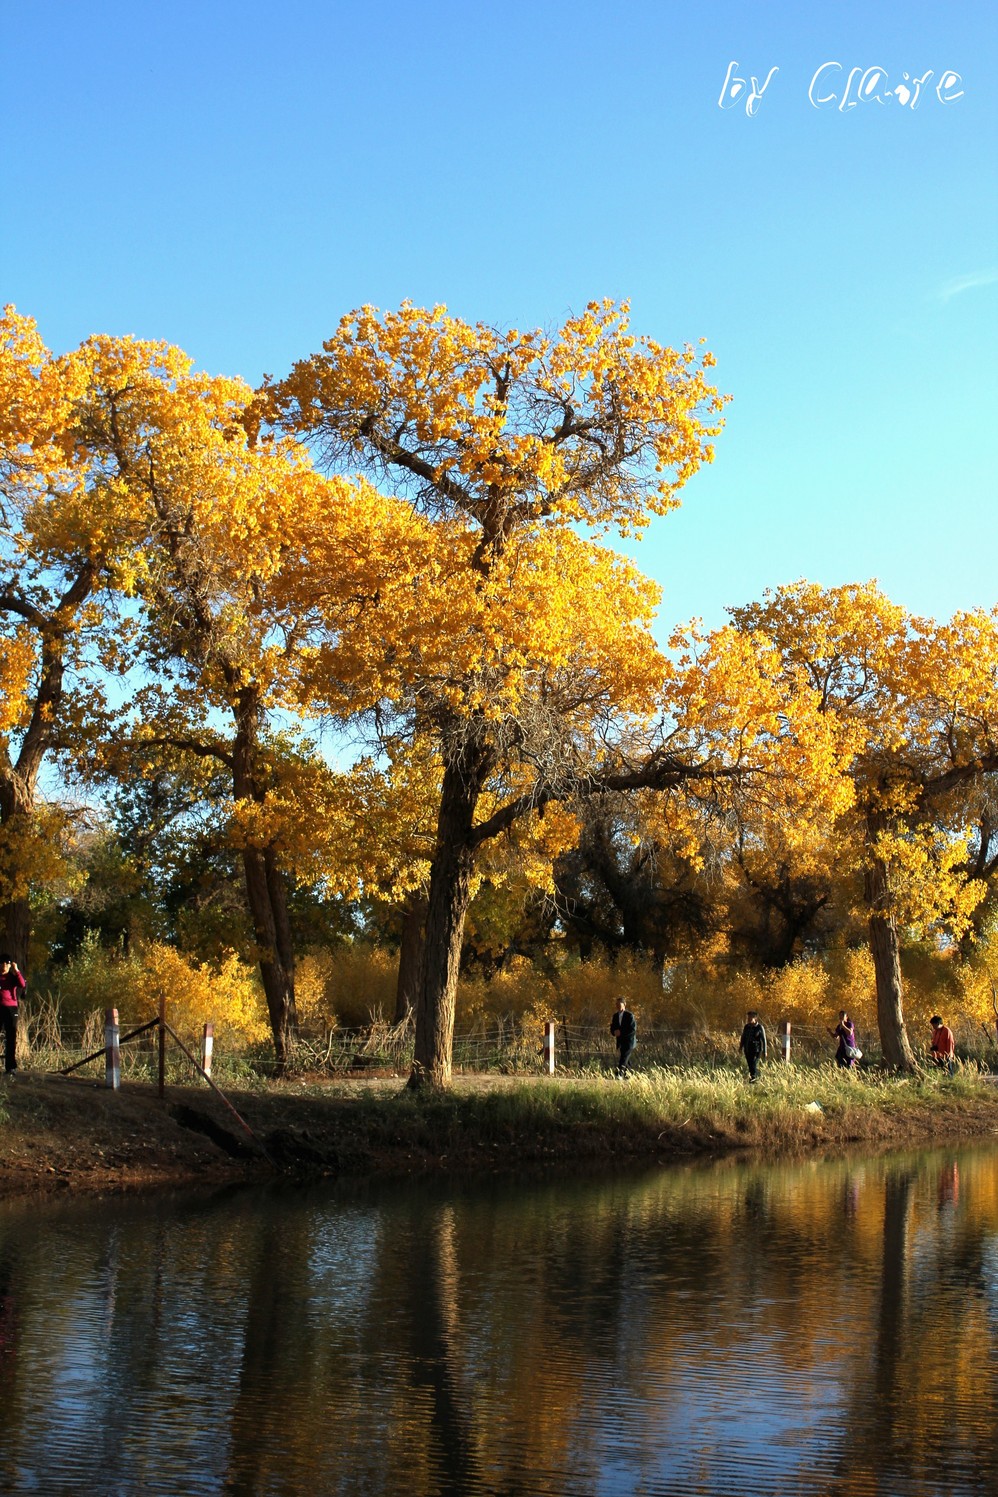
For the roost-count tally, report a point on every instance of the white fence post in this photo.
(207, 1045)
(785, 1041)
(112, 1054)
(549, 1046)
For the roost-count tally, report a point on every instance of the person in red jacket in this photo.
(11, 988)
(943, 1044)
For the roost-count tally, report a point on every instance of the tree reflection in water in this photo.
(818, 1328)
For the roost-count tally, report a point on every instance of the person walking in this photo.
(848, 1051)
(624, 1028)
(943, 1048)
(11, 988)
(753, 1043)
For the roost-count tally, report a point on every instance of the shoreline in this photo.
(65, 1135)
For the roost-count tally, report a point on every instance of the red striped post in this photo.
(785, 1041)
(549, 1046)
(207, 1046)
(112, 1053)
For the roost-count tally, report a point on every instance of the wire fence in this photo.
(47, 1043)
(505, 1044)
(510, 1045)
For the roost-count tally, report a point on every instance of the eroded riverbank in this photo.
(64, 1134)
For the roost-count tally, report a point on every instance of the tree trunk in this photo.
(17, 930)
(15, 913)
(277, 893)
(271, 928)
(447, 906)
(266, 890)
(885, 950)
(19, 778)
(410, 956)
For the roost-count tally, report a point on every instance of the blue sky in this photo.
(234, 177)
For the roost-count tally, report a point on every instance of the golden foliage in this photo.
(512, 427)
(350, 986)
(224, 992)
(36, 850)
(914, 707)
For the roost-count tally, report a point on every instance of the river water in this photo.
(823, 1328)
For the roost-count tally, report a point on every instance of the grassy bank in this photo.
(663, 1113)
(63, 1133)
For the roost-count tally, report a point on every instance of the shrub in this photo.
(352, 986)
(226, 992)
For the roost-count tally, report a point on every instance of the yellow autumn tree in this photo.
(526, 643)
(228, 611)
(69, 545)
(917, 705)
(524, 651)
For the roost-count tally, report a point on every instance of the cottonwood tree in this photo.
(226, 611)
(538, 638)
(525, 652)
(69, 539)
(917, 706)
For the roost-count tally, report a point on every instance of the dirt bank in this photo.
(66, 1134)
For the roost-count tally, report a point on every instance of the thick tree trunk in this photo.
(268, 911)
(266, 890)
(277, 893)
(886, 953)
(447, 906)
(16, 934)
(410, 957)
(15, 913)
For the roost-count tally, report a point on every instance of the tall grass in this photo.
(661, 1112)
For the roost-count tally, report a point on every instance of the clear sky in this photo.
(233, 176)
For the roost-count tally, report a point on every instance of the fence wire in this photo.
(510, 1045)
(504, 1044)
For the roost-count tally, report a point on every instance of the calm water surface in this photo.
(829, 1328)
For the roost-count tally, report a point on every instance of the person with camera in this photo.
(11, 988)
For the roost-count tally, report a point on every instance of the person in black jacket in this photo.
(753, 1043)
(624, 1029)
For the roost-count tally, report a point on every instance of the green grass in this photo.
(657, 1112)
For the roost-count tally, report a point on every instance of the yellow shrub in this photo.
(853, 986)
(515, 991)
(588, 993)
(581, 992)
(313, 991)
(978, 991)
(799, 992)
(226, 993)
(352, 986)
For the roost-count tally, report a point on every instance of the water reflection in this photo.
(816, 1329)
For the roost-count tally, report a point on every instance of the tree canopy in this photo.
(197, 583)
